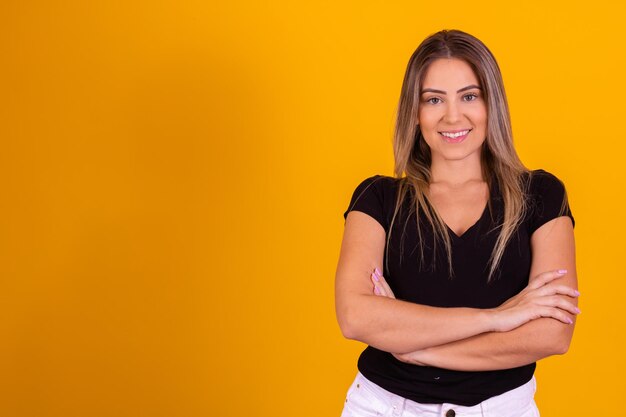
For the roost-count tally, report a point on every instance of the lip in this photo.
(455, 131)
(455, 140)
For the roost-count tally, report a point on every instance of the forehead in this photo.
(449, 72)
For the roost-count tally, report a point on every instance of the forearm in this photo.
(491, 351)
(400, 326)
(523, 345)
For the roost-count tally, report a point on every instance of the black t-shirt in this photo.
(423, 284)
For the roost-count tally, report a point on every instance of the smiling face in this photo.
(452, 111)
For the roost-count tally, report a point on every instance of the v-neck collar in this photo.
(493, 190)
(467, 232)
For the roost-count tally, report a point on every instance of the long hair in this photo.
(499, 160)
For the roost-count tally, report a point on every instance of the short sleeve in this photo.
(548, 194)
(369, 198)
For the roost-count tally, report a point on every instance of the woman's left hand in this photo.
(381, 288)
(380, 285)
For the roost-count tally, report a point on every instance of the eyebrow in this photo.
(432, 90)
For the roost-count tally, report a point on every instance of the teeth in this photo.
(455, 135)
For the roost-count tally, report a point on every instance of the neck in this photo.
(456, 172)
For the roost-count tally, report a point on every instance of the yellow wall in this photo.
(173, 177)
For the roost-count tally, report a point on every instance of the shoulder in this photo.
(376, 184)
(547, 198)
(380, 180)
(541, 181)
(375, 195)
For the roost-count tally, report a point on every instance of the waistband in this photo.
(510, 403)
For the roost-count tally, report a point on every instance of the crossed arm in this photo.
(491, 351)
(532, 325)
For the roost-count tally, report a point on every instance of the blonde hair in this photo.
(499, 159)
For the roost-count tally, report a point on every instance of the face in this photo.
(452, 111)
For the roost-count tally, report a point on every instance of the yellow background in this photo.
(173, 177)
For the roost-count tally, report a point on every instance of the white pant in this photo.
(367, 399)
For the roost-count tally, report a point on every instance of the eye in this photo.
(470, 97)
(433, 100)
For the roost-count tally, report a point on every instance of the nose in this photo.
(453, 113)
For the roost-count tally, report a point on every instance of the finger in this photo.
(386, 287)
(553, 289)
(380, 285)
(378, 276)
(561, 303)
(567, 306)
(556, 314)
(545, 277)
(378, 289)
(378, 273)
(374, 286)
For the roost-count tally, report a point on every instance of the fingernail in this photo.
(378, 272)
(376, 290)
(375, 277)
(576, 293)
(562, 271)
(570, 321)
(577, 310)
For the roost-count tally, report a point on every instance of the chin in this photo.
(459, 156)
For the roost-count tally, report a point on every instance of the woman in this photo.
(477, 251)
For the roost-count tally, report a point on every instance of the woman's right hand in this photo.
(541, 298)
